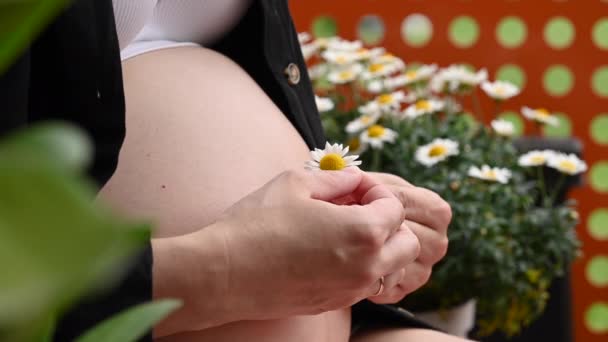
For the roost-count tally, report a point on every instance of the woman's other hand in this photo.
(426, 215)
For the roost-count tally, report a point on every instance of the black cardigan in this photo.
(72, 72)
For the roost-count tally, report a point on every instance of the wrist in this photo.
(194, 268)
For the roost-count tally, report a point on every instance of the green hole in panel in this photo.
(597, 271)
(599, 129)
(599, 177)
(511, 32)
(511, 73)
(564, 129)
(558, 80)
(371, 29)
(463, 31)
(416, 30)
(596, 318)
(516, 120)
(559, 33)
(324, 26)
(599, 81)
(597, 224)
(600, 33)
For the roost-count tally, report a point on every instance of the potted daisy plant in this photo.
(508, 238)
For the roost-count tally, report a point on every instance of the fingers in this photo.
(424, 206)
(389, 179)
(433, 245)
(330, 185)
(415, 276)
(401, 249)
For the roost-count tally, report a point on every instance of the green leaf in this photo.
(131, 324)
(20, 22)
(55, 242)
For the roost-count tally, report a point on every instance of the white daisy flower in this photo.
(324, 104)
(503, 127)
(377, 135)
(535, 158)
(436, 151)
(340, 58)
(422, 107)
(390, 100)
(332, 158)
(376, 86)
(493, 174)
(567, 163)
(324, 42)
(375, 70)
(500, 90)
(304, 37)
(356, 146)
(540, 115)
(317, 71)
(455, 77)
(387, 58)
(345, 75)
(423, 73)
(344, 45)
(371, 108)
(361, 123)
(309, 50)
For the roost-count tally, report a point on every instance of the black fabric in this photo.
(72, 73)
(264, 43)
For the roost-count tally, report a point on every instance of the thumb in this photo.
(330, 185)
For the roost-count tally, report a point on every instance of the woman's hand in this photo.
(426, 215)
(286, 250)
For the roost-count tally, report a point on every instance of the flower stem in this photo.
(497, 108)
(376, 159)
(541, 183)
(477, 106)
(558, 187)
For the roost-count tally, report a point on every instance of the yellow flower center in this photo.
(437, 151)
(365, 119)
(538, 159)
(411, 74)
(543, 113)
(533, 275)
(375, 131)
(388, 55)
(340, 59)
(346, 75)
(490, 174)
(567, 166)
(332, 162)
(385, 99)
(423, 105)
(362, 51)
(500, 90)
(354, 144)
(376, 67)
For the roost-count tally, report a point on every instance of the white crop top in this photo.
(148, 25)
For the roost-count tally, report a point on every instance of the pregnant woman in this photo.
(202, 132)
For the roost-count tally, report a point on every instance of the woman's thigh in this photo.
(405, 335)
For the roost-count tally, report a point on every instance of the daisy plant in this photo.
(408, 120)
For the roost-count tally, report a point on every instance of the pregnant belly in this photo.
(200, 136)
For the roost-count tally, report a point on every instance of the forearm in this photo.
(195, 269)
